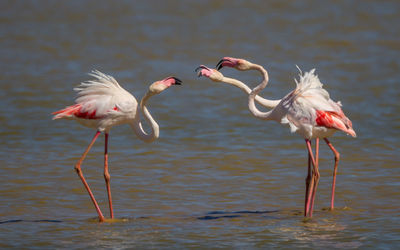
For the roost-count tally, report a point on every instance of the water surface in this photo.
(217, 177)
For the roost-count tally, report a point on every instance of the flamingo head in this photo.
(239, 64)
(213, 74)
(159, 86)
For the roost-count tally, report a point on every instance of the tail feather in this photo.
(68, 112)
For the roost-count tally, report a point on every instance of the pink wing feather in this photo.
(310, 104)
(96, 98)
(330, 119)
(76, 110)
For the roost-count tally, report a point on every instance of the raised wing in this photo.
(310, 105)
(97, 98)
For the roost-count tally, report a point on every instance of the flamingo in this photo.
(308, 110)
(102, 103)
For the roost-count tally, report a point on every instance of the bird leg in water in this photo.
(310, 181)
(316, 176)
(107, 175)
(337, 158)
(80, 174)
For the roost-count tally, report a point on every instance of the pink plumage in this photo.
(102, 103)
(76, 111)
(307, 109)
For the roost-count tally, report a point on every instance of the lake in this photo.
(217, 177)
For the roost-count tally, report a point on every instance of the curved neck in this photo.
(264, 102)
(252, 96)
(137, 124)
(263, 72)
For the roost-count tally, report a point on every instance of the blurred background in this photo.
(216, 177)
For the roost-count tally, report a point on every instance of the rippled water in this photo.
(217, 177)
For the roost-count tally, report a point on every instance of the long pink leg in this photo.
(308, 180)
(311, 184)
(107, 176)
(316, 176)
(80, 174)
(337, 158)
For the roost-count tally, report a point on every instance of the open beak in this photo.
(199, 69)
(222, 62)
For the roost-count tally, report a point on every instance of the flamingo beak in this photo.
(225, 62)
(171, 80)
(177, 81)
(199, 70)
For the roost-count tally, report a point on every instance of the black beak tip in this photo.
(198, 72)
(177, 81)
(219, 64)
